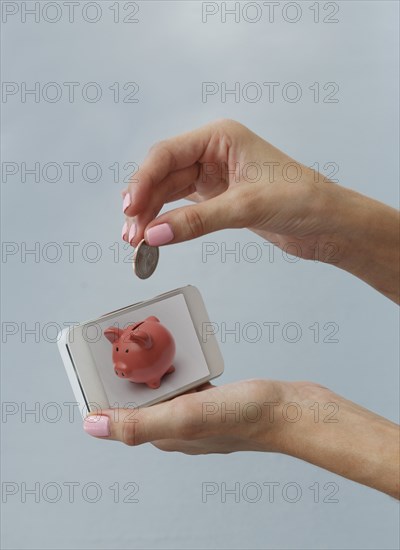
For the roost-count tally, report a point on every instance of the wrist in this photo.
(303, 405)
(293, 413)
(342, 437)
(363, 238)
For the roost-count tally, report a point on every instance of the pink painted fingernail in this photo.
(98, 426)
(132, 232)
(127, 202)
(159, 234)
(124, 231)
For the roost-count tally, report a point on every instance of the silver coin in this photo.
(145, 260)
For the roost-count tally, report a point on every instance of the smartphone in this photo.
(87, 352)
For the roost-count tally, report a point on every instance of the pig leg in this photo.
(154, 384)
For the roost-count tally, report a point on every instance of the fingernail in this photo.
(159, 234)
(124, 231)
(98, 426)
(132, 232)
(127, 202)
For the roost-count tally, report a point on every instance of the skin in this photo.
(220, 167)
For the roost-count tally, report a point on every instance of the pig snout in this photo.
(121, 370)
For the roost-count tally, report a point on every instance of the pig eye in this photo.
(116, 349)
(126, 351)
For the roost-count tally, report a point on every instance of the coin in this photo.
(145, 260)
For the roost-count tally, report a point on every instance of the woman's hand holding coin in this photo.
(238, 180)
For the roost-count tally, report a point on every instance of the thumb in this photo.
(136, 426)
(190, 222)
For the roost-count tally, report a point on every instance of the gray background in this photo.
(169, 53)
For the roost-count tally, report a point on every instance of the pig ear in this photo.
(113, 334)
(152, 318)
(142, 338)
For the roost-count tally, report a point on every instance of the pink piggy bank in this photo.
(142, 352)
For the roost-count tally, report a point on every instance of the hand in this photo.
(239, 180)
(301, 419)
(201, 421)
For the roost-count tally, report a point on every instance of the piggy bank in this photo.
(142, 352)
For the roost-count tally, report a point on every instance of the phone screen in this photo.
(189, 362)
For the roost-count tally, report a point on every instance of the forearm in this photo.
(368, 240)
(355, 443)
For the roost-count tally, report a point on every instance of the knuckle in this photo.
(129, 433)
(230, 127)
(157, 146)
(193, 222)
(162, 149)
(227, 123)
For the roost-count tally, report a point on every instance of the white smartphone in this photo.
(87, 352)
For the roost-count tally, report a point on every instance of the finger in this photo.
(131, 426)
(129, 230)
(175, 183)
(175, 419)
(184, 183)
(179, 182)
(190, 222)
(217, 444)
(183, 194)
(125, 231)
(166, 157)
(180, 446)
